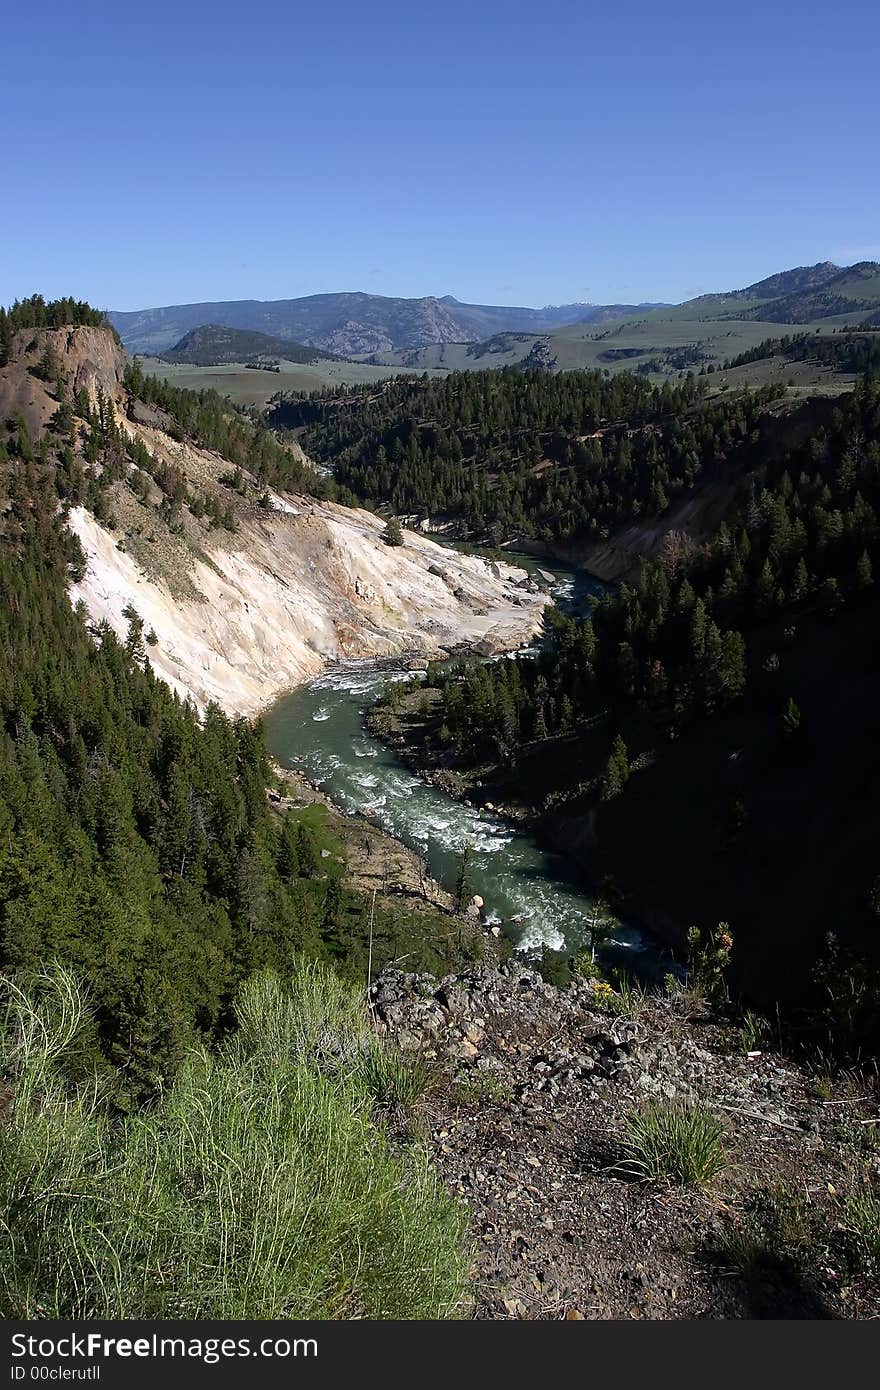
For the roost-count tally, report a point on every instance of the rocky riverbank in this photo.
(525, 1118)
(377, 863)
(374, 859)
(533, 795)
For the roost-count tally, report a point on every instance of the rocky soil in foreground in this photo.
(525, 1117)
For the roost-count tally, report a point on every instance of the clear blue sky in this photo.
(514, 153)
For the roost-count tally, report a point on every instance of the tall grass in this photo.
(860, 1224)
(260, 1186)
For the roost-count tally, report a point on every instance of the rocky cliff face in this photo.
(307, 584)
(240, 615)
(86, 357)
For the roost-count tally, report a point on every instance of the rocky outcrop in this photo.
(293, 590)
(540, 358)
(87, 358)
(239, 618)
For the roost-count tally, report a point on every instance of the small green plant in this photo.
(674, 1142)
(601, 926)
(754, 1032)
(708, 959)
(555, 967)
(822, 1086)
(478, 1085)
(585, 967)
(393, 533)
(628, 997)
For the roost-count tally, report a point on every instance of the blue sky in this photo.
(513, 153)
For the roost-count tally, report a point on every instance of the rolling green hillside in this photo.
(213, 345)
(803, 295)
(701, 334)
(856, 289)
(256, 386)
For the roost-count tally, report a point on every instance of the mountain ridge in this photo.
(353, 323)
(356, 324)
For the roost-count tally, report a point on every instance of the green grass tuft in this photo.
(392, 1077)
(860, 1224)
(674, 1142)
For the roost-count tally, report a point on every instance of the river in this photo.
(538, 895)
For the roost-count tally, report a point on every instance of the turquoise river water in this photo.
(538, 896)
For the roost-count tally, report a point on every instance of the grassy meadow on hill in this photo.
(254, 386)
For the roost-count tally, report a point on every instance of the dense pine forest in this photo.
(510, 454)
(674, 643)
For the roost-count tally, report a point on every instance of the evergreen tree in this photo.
(393, 533)
(616, 770)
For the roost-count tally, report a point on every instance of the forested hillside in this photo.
(844, 352)
(207, 417)
(509, 454)
(136, 840)
(211, 344)
(710, 728)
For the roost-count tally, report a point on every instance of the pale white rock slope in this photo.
(240, 614)
(298, 587)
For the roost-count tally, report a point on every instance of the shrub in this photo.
(258, 1187)
(708, 960)
(673, 1141)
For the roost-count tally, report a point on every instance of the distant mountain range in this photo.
(352, 325)
(214, 345)
(413, 331)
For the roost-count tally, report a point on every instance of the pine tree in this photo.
(462, 882)
(616, 770)
(791, 719)
(5, 338)
(393, 533)
(864, 571)
(801, 582)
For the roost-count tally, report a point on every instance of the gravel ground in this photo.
(524, 1121)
